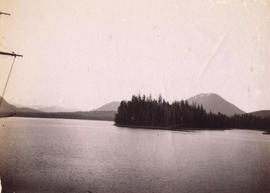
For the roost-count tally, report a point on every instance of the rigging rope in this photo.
(4, 90)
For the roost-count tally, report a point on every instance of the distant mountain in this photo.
(6, 108)
(263, 113)
(59, 112)
(26, 110)
(214, 103)
(53, 109)
(112, 106)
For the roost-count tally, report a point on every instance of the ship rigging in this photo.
(12, 54)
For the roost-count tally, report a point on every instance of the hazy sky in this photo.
(84, 53)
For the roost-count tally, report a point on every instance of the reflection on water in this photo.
(54, 155)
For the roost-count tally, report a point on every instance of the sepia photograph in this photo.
(135, 96)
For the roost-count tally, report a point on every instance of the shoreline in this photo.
(51, 117)
(265, 132)
(169, 128)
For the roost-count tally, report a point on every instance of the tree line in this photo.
(148, 112)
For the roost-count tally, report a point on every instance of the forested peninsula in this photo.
(145, 112)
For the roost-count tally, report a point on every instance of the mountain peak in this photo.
(214, 103)
(201, 95)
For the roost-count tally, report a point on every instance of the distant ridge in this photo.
(112, 106)
(215, 103)
(54, 109)
(210, 102)
(262, 114)
(86, 115)
(11, 110)
(27, 110)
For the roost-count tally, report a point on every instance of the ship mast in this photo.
(9, 53)
(14, 55)
(3, 13)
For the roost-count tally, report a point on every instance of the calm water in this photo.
(54, 155)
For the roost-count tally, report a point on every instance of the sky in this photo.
(85, 53)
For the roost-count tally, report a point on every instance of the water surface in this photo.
(58, 155)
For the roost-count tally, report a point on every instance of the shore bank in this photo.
(173, 128)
